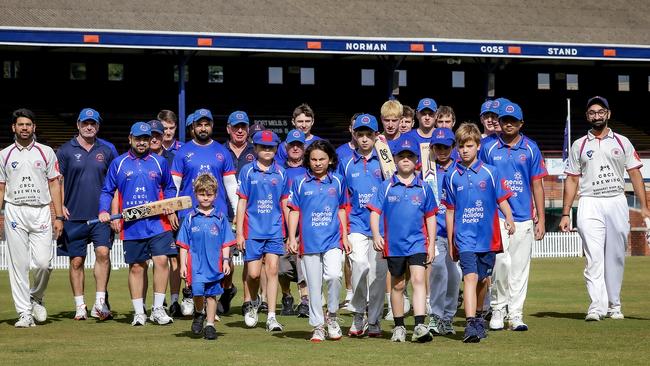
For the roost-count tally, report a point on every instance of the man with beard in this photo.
(596, 166)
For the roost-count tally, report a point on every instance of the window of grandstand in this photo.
(275, 75)
(307, 76)
(77, 71)
(115, 72)
(186, 75)
(543, 81)
(215, 74)
(571, 81)
(624, 83)
(367, 77)
(10, 69)
(458, 79)
(401, 78)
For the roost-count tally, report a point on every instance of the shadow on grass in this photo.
(294, 334)
(189, 334)
(241, 324)
(577, 316)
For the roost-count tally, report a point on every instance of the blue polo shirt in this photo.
(318, 202)
(174, 146)
(282, 156)
(263, 218)
(475, 193)
(442, 209)
(405, 209)
(193, 159)
(363, 179)
(83, 176)
(344, 151)
(139, 180)
(204, 236)
(110, 145)
(519, 165)
(247, 155)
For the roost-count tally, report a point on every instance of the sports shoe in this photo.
(223, 305)
(333, 329)
(210, 333)
(272, 325)
(616, 315)
(359, 326)
(187, 305)
(421, 334)
(479, 325)
(263, 307)
(197, 322)
(250, 314)
(435, 325)
(374, 330)
(303, 310)
(399, 334)
(81, 313)
(471, 333)
(38, 310)
(593, 317)
(497, 323)
(159, 315)
(447, 328)
(26, 320)
(389, 315)
(139, 320)
(175, 310)
(318, 335)
(487, 314)
(517, 324)
(287, 305)
(101, 310)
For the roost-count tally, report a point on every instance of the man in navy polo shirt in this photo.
(83, 162)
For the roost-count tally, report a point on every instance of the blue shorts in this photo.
(139, 251)
(207, 288)
(256, 248)
(76, 236)
(479, 263)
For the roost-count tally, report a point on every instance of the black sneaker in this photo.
(223, 306)
(264, 307)
(245, 306)
(303, 310)
(287, 305)
(175, 310)
(197, 323)
(210, 333)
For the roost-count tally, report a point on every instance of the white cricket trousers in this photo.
(368, 276)
(444, 282)
(28, 230)
(317, 268)
(511, 268)
(603, 224)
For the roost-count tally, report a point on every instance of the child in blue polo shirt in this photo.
(473, 192)
(260, 229)
(205, 238)
(408, 206)
(317, 202)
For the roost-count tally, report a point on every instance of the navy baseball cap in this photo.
(140, 129)
(189, 120)
(266, 138)
(199, 114)
(489, 107)
(365, 120)
(89, 114)
(157, 126)
(238, 117)
(406, 143)
(598, 100)
(443, 136)
(511, 109)
(427, 103)
(295, 136)
(255, 127)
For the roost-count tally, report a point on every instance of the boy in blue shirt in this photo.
(205, 238)
(473, 192)
(408, 208)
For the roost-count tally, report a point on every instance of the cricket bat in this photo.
(151, 209)
(385, 158)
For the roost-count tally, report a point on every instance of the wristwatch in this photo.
(60, 218)
(226, 259)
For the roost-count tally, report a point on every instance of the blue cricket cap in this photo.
(189, 120)
(427, 103)
(140, 129)
(511, 109)
(598, 100)
(199, 114)
(295, 136)
(238, 117)
(406, 143)
(365, 120)
(89, 114)
(266, 138)
(443, 136)
(157, 126)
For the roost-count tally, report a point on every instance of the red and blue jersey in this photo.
(475, 193)
(405, 209)
(192, 160)
(318, 202)
(344, 151)
(363, 179)
(203, 236)
(442, 209)
(138, 180)
(263, 217)
(83, 173)
(174, 147)
(282, 156)
(519, 165)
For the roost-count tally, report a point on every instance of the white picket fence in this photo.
(554, 245)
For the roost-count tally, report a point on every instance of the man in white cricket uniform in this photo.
(596, 167)
(28, 183)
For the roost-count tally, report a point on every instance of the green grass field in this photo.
(555, 309)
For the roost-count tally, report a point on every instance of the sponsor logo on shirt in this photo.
(522, 157)
(78, 157)
(249, 157)
(331, 191)
(617, 153)
(274, 181)
(473, 215)
(214, 229)
(100, 157)
(220, 157)
(196, 229)
(322, 218)
(153, 175)
(355, 175)
(516, 185)
(416, 200)
(14, 164)
(498, 157)
(392, 198)
(590, 154)
(377, 173)
(38, 164)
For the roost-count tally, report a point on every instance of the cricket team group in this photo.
(412, 197)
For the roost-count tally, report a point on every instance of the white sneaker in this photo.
(272, 325)
(593, 317)
(517, 324)
(399, 334)
(250, 317)
(139, 320)
(318, 335)
(497, 323)
(101, 311)
(389, 315)
(159, 315)
(359, 325)
(187, 306)
(81, 313)
(26, 320)
(421, 334)
(333, 329)
(38, 311)
(407, 304)
(616, 315)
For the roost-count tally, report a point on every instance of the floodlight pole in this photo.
(181, 96)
